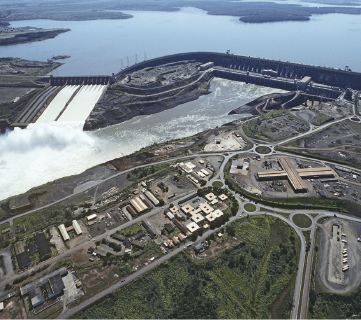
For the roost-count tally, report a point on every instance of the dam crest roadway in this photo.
(73, 98)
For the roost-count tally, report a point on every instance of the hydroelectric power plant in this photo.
(73, 98)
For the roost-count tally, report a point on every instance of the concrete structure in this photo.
(206, 208)
(77, 227)
(222, 197)
(326, 81)
(295, 175)
(206, 66)
(210, 196)
(197, 218)
(63, 232)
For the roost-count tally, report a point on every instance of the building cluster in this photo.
(75, 226)
(191, 174)
(131, 240)
(294, 175)
(23, 252)
(51, 285)
(141, 203)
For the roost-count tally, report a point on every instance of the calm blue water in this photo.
(100, 47)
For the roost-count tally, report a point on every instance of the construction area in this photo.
(225, 140)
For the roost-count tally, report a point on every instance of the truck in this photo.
(91, 259)
(344, 260)
(345, 268)
(344, 241)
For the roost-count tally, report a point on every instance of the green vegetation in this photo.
(4, 226)
(314, 203)
(263, 149)
(250, 207)
(253, 279)
(320, 119)
(131, 230)
(44, 218)
(217, 184)
(302, 221)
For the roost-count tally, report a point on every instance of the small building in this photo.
(77, 227)
(181, 237)
(206, 226)
(192, 227)
(63, 232)
(138, 244)
(169, 243)
(169, 227)
(214, 215)
(1, 306)
(205, 172)
(175, 240)
(43, 244)
(213, 202)
(173, 209)
(91, 217)
(197, 218)
(187, 208)
(149, 228)
(223, 197)
(147, 203)
(36, 297)
(210, 196)
(56, 285)
(32, 248)
(198, 247)
(170, 215)
(206, 208)
(22, 255)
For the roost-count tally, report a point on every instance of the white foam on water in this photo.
(47, 151)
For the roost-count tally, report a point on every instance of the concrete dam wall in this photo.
(326, 81)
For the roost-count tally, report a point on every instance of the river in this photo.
(45, 152)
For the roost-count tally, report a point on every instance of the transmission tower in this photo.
(121, 62)
(136, 58)
(145, 56)
(127, 60)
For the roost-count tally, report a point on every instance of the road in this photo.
(226, 158)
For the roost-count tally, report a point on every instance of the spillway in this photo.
(83, 103)
(57, 105)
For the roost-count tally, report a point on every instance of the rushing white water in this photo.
(48, 151)
(57, 105)
(83, 103)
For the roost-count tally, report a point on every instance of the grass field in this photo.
(217, 184)
(249, 207)
(320, 119)
(252, 279)
(263, 149)
(302, 221)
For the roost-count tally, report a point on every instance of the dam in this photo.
(73, 98)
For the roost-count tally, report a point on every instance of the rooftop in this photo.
(197, 218)
(210, 196)
(192, 226)
(214, 215)
(187, 208)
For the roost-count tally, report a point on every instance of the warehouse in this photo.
(180, 226)
(22, 255)
(56, 285)
(149, 228)
(63, 232)
(146, 202)
(43, 244)
(77, 227)
(131, 210)
(295, 175)
(141, 203)
(152, 198)
(136, 206)
(36, 297)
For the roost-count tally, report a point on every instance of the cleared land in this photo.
(249, 280)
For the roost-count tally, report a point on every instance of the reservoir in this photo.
(100, 47)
